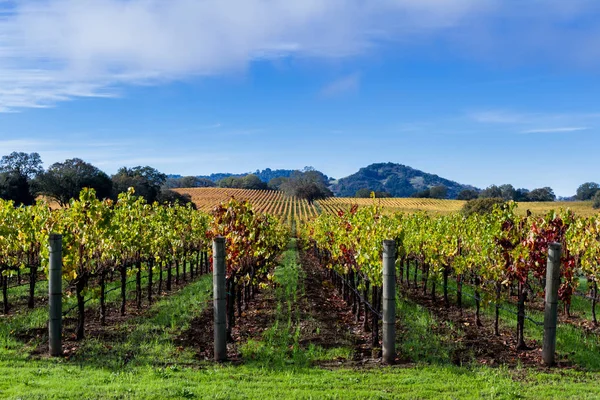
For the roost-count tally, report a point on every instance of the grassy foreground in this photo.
(141, 359)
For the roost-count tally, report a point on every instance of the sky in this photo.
(478, 91)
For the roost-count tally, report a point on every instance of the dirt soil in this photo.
(38, 338)
(479, 343)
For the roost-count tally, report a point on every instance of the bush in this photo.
(481, 206)
(596, 200)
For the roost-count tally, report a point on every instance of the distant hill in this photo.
(397, 179)
(265, 175)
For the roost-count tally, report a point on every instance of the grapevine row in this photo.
(102, 237)
(499, 253)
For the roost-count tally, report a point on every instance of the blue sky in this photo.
(479, 91)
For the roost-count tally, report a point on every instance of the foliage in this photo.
(17, 172)
(249, 181)
(596, 200)
(467, 194)
(146, 181)
(481, 206)
(64, 181)
(309, 184)
(541, 194)
(587, 191)
(188, 182)
(434, 192)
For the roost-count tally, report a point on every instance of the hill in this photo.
(397, 179)
(265, 175)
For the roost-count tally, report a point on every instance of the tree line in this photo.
(23, 179)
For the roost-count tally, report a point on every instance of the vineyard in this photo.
(278, 204)
(136, 275)
(271, 202)
(501, 257)
(101, 239)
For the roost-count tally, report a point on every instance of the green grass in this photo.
(279, 347)
(417, 341)
(572, 342)
(142, 360)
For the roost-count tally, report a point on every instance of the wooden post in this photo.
(55, 296)
(219, 303)
(389, 301)
(551, 308)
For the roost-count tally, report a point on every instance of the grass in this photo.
(417, 340)
(572, 342)
(142, 360)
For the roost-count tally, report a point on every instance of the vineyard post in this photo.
(55, 296)
(219, 299)
(551, 308)
(389, 301)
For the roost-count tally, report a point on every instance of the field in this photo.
(277, 203)
(263, 201)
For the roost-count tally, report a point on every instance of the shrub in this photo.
(481, 206)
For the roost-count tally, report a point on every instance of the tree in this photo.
(16, 187)
(230, 182)
(508, 192)
(146, 181)
(188, 182)
(310, 185)
(275, 183)
(467, 194)
(541, 194)
(252, 181)
(249, 181)
(424, 194)
(63, 181)
(492, 191)
(521, 194)
(438, 192)
(596, 200)
(482, 206)
(29, 165)
(167, 196)
(17, 170)
(587, 191)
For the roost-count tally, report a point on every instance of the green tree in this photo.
(438, 192)
(63, 181)
(596, 200)
(310, 185)
(508, 192)
(276, 183)
(492, 191)
(17, 172)
(587, 191)
(541, 194)
(482, 206)
(188, 182)
(467, 194)
(146, 181)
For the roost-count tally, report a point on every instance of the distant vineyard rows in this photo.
(289, 208)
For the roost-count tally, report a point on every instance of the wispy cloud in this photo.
(536, 122)
(341, 86)
(557, 130)
(497, 117)
(57, 50)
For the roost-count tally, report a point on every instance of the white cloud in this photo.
(497, 117)
(557, 130)
(57, 50)
(344, 85)
(537, 122)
